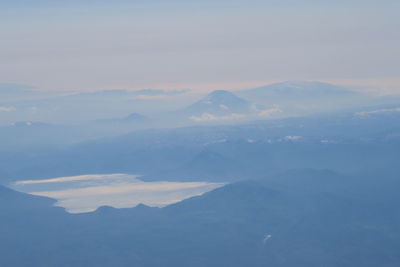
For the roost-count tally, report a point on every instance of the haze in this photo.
(182, 133)
(93, 45)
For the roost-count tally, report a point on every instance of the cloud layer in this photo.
(7, 109)
(86, 193)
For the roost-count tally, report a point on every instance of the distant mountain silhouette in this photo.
(297, 89)
(219, 103)
(32, 124)
(305, 97)
(134, 117)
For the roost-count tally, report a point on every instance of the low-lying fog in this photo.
(86, 193)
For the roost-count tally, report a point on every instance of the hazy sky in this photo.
(86, 45)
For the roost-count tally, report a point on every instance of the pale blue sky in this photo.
(87, 45)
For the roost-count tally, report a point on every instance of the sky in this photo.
(97, 45)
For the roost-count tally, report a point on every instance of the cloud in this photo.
(327, 141)
(122, 188)
(116, 190)
(7, 109)
(379, 111)
(293, 138)
(210, 117)
(269, 112)
(223, 107)
(77, 178)
(235, 116)
(150, 97)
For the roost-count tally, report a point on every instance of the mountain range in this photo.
(301, 218)
(167, 106)
(318, 190)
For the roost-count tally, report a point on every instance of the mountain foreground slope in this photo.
(298, 218)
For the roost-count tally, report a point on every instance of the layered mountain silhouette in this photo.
(345, 142)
